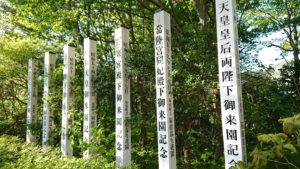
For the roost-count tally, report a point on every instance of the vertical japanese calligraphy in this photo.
(164, 96)
(32, 98)
(68, 98)
(90, 72)
(49, 66)
(230, 84)
(123, 130)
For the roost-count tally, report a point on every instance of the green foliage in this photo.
(279, 150)
(31, 28)
(265, 101)
(14, 54)
(291, 124)
(14, 153)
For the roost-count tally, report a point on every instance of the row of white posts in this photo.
(230, 89)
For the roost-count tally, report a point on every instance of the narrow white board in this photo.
(32, 98)
(49, 66)
(123, 129)
(90, 96)
(164, 96)
(68, 98)
(230, 84)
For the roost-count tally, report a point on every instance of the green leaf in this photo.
(290, 147)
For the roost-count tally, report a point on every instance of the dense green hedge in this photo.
(15, 153)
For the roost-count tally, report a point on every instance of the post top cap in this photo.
(71, 45)
(159, 10)
(52, 52)
(122, 26)
(92, 38)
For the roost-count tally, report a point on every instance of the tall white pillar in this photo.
(164, 96)
(123, 130)
(49, 66)
(68, 98)
(230, 84)
(32, 98)
(90, 96)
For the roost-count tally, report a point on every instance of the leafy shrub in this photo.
(279, 150)
(14, 153)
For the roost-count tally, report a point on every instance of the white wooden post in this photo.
(90, 96)
(68, 98)
(32, 99)
(164, 96)
(123, 130)
(49, 66)
(230, 84)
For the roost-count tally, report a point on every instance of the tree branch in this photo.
(176, 27)
(244, 8)
(278, 162)
(201, 10)
(158, 4)
(75, 24)
(131, 24)
(145, 6)
(190, 17)
(289, 35)
(288, 50)
(290, 162)
(289, 22)
(174, 14)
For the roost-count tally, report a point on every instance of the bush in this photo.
(278, 150)
(14, 153)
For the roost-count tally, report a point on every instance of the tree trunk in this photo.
(186, 144)
(201, 8)
(75, 24)
(143, 131)
(186, 154)
(141, 100)
(88, 33)
(296, 59)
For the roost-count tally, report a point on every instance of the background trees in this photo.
(29, 28)
(263, 18)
